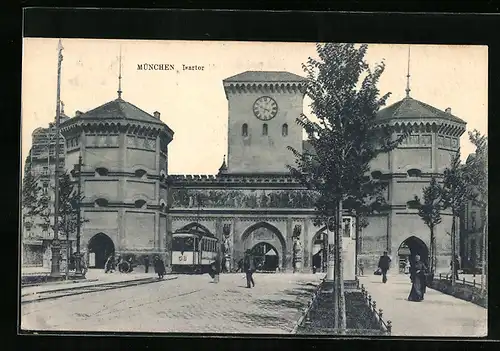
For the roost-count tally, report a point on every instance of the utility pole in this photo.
(56, 244)
(78, 219)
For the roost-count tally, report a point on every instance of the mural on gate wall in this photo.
(192, 198)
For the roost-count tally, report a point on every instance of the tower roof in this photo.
(119, 109)
(409, 108)
(265, 76)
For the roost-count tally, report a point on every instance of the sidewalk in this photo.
(438, 315)
(93, 276)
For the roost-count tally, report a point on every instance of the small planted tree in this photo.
(34, 199)
(346, 138)
(455, 194)
(429, 210)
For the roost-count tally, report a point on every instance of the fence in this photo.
(372, 304)
(462, 281)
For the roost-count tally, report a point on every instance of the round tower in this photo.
(124, 153)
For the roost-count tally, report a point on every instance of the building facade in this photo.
(37, 231)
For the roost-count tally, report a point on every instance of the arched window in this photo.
(244, 130)
(264, 129)
(101, 203)
(101, 171)
(140, 204)
(140, 173)
(284, 130)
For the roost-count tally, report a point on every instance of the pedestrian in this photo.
(249, 268)
(384, 263)
(407, 266)
(159, 267)
(146, 264)
(417, 275)
(215, 267)
(108, 266)
(454, 271)
(361, 268)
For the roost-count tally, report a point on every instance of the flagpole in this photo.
(56, 245)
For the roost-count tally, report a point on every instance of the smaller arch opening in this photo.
(101, 171)
(101, 202)
(414, 172)
(140, 173)
(284, 130)
(264, 129)
(140, 204)
(244, 130)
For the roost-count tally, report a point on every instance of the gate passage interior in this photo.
(266, 256)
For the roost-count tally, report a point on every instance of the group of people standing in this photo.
(127, 266)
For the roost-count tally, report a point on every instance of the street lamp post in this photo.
(56, 244)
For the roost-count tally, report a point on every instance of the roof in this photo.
(119, 109)
(411, 108)
(265, 76)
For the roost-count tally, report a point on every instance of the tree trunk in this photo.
(357, 243)
(340, 321)
(432, 251)
(453, 250)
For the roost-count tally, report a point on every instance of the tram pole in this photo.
(78, 267)
(55, 271)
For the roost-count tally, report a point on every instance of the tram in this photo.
(193, 251)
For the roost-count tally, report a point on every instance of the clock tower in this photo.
(263, 108)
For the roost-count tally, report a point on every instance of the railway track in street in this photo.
(86, 289)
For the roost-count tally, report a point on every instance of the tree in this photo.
(478, 176)
(35, 202)
(345, 139)
(455, 194)
(430, 212)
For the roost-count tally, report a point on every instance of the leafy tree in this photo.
(430, 212)
(455, 194)
(345, 139)
(478, 175)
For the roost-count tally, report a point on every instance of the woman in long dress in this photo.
(417, 276)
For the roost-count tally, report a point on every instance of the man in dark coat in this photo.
(146, 264)
(249, 268)
(384, 263)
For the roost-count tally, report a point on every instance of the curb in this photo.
(80, 281)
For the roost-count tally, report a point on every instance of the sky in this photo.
(193, 103)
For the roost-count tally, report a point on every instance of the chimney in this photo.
(448, 110)
(156, 114)
(78, 113)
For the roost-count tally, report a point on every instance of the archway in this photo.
(267, 257)
(263, 232)
(101, 247)
(318, 252)
(411, 247)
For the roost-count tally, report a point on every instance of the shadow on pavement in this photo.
(263, 319)
(282, 303)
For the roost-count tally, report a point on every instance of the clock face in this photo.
(265, 108)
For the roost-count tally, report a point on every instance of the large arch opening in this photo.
(100, 248)
(411, 247)
(265, 233)
(318, 251)
(267, 257)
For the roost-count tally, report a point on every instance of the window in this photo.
(101, 171)
(182, 244)
(101, 202)
(244, 130)
(473, 220)
(284, 130)
(140, 204)
(140, 173)
(264, 129)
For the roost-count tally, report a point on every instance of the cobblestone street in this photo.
(187, 304)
